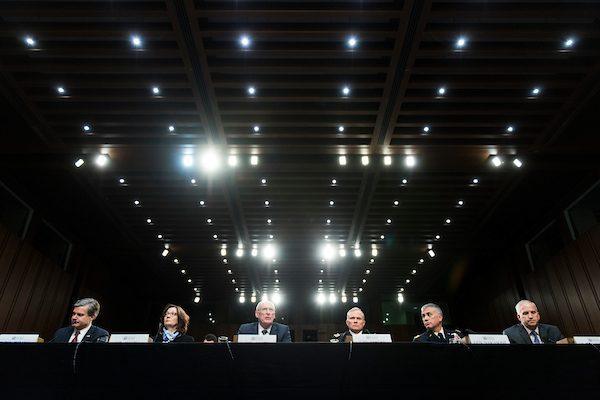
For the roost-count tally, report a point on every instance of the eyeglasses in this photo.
(171, 314)
(266, 309)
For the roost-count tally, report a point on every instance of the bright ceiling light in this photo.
(251, 90)
(357, 252)
(341, 128)
(209, 160)
(321, 298)
(328, 252)
(155, 90)
(239, 252)
(242, 299)
(86, 128)
(569, 42)
(517, 163)
(269, 251)
(460, 203)
(165, 252)
(365, 160)
(342, 253)
(331, 202)
(136, 41)
(276, 298)
(441, 90)
(223, 252)
(101, 160)
(196, 299)
(448, 220)
(497, 161)
(352, 42)
(425, 129)
(342, 160)
(256, 128)
(245, 41)
(374, 252)
(188, 160)
(29, 41)
(404, 181)
(346, 90)
(344, 299)
(461, 42)
(536, 91)
(400, 298)
(61, 90)
(254, 252)
(510, 129)
(253, 299)
(387, 160)
(355, 299)
(431, 253)
(254, 161)
(171, 128)
(475, 181)
(410, 161)
(332, 298)
(79, 163)
(232, 161)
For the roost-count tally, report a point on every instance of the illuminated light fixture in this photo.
(387, 160)
(441, 90)
(326, 236)
(346, 90)
(79, 163)
(475, 181)
(365, 160)
(517, 163)
(342, 253)
(209, 160)
(536, 91)
(251, 90)
(183, 271)
(193, 181)
(374, 252)
(155, 90)
(149, 220)
(209, 221)
(101, 160)
(223, 252)
(342, 160)
(269, 221)
(86, 128)
(400, 298)
(276, 280)
(372, 260)
(201, 202)
(331, 202)
(421, 261)
(171, 128)
(364, 281)
(276, 298)
(229, 271)
(165, 252)
(341, 128)
(355, 299)
(425, 129)
(328, 221)
(396, 202)
(224, 261)
(382, 237)
(239, 252)
(232, 161)
(29, 41)
(352, 42)
(188, 161)
(61, 90)
(136, 41)
(404, 181)
(460, 203)
(265, 297)
(320, 280)
(253, 299)
(510, 129)
(367, 272)
(270, 236)
(254, 161)
(497, 161)
(344, 299)
(568, 42)
(407, 281)
(159, 236)
(437, 237)
(256, 128)
(189, 280)
(269, 251)
(275, 271)
(461, 42)
(196, 299)
(357, 252)
(334, 181)
(360, 289)
(263, 181)
(431, 253)
(388, 221)
(267, 203)
(215, 236)
(245, 41)
(176, 261)
(320, 298)
(332, 298)
(233, 281)
(328, 252)
(448, 220)
(414, 272)
(410, 161)
(121, 181)
(254, 252)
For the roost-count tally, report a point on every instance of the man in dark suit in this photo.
(530, 331)
(81, 328)
(355, 321)
(432, 316)
(265, 312)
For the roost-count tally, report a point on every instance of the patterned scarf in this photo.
(169, 336)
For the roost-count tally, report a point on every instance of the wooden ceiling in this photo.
(299, 60)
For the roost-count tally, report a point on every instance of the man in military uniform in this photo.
(355, 321)
(432, 317)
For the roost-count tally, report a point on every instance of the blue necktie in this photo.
(536, 339)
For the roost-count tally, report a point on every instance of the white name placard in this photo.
(373, 338)
(129, 338)
(257, 339)
(488, 339)
(586, 339)
(19, 337)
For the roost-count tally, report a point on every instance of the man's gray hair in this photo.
(93, 306)
(432, 305)
(521, 303)
(265, 301)
(354, 309)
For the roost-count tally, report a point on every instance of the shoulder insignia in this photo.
(456, 330)
(337, 335)
(416, 337)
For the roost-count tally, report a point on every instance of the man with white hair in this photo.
(266, 325)
(355, 321)
(530, 331)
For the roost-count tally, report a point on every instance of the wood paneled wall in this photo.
(34, 292)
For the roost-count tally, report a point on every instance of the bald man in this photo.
(529, 330)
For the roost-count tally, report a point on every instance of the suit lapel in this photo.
(524, 334)
(274, 329)
(543, 333)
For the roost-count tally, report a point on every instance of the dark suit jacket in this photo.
(179, 339)
(95, 334)
(282, 331)
(341, 337)
(429, 337)
(549, 334)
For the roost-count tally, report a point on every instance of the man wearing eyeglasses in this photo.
(266, 325)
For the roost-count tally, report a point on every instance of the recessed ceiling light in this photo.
(328, 221)
(360, 289)
(334, 181)
(165, 252)
(407, 281)
(267, 202)
(357, 252)
(101, 160)
(171, 128)
(149, 220)
(414, 271)
(352, 42)
(176, 261)
(441, 90)
(61, 90)
(331, 202)
(368, 271)
(569, 42)
(201, 202)
(79, 162)
(215, 236)
(29, 41)
(232, 161)
(155, 90)
(256, 128)
(245, 41)
(425, 129)
(387, 160)
(437, 237)
(188, 160)
(536, 91)
(159, 236)
(254, 160)
(404, 181)
(460, 203)
(497, 161)
(342, 160)
(365, 160)
(510, 129)
(448, 220)
(461, 42)
(183, 271)
(251, 90)
(382, 237)
(269, 221)
(341, 128)
(193, 181)
(388, 221)
(410, 161)
(263, 181)
(517, 163)
(431, 253)
(121, 181)
(136, 202)
(136, 41)
(421, 261)
(475, 181)
(209, 221)
(396, 202)
(86, 128)
(346, 90)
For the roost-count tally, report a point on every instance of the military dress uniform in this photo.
(341, 337)
(430, 337)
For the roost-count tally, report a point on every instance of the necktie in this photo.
(75, 338)
(265, 331)
(439, 335)
(536, 339)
